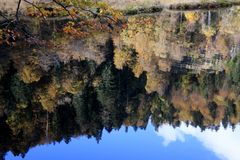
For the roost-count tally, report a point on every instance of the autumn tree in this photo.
(78, 19)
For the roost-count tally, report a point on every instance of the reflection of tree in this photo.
(232, 69)
(43, 100)
(162, 111)
(83, 98)
(88, 113)
(21, 92)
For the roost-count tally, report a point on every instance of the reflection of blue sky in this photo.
(224, 143)
(140, 145)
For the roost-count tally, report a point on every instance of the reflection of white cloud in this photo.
(224, 143)
(170, 134)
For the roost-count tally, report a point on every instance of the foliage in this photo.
(121, 58)
(83, 16)
(208, 31)
(192, 17)
(21, 92)
(30, 73)
(20, 121)
(233, 68)
(162, 111)
(8, 36)
(76, 18)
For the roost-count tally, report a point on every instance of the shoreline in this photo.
(138, 6)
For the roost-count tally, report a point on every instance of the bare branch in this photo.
(7, 21)
(2, 15)
(38, 8)
(65, 8)
(96, 14)
(17, 11)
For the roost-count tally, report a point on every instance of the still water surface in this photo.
(159, 74)
(166, 143)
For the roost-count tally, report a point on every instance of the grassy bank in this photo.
(135, 4)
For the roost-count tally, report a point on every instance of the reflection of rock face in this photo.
(93, 48)
(192, 40)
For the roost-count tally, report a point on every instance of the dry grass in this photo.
(10, 5)
(132, 4)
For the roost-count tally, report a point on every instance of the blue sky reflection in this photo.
(166, 144)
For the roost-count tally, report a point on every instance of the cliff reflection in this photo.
(169, 68)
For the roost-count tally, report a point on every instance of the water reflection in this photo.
(167, 142)
(147, 142)
(169, 67)
(218, 142)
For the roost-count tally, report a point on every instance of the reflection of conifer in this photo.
(213, 109)
(80, 107)
(106, 94)
(209, 83)
(233, 68)
(198, 119)
(63, 123)
(162, 111)
(230, 112)
(21, 92)
(2, 155)
(88, 113)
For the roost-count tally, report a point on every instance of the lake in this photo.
(162, 85)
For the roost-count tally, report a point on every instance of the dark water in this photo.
(127, 95)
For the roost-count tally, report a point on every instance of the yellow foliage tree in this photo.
(30, 74)
(121, 58)
(192, 16)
